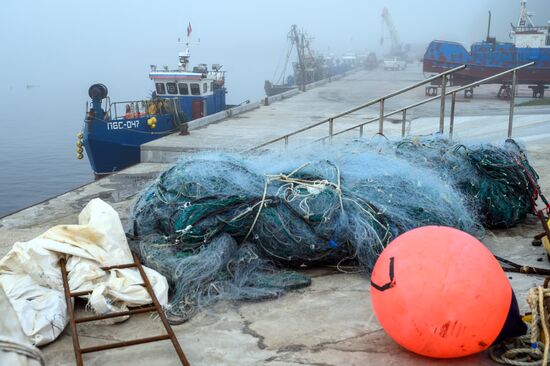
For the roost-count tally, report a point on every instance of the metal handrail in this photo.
(451, 92)
(482, 81)
(381, 100)
(512, 96)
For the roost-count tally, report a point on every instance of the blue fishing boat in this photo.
(489, 57)
(114, 131)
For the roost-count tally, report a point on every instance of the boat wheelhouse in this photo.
(199, 92)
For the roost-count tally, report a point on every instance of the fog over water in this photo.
(52, 51)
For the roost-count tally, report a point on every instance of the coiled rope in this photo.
(527, 350)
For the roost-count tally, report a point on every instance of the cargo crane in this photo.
(397, 59)
(396, 46)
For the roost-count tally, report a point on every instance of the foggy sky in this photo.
(64, 46)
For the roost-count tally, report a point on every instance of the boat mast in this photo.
(489, 28)
(299, 40)
(524, 16)
(186, 55)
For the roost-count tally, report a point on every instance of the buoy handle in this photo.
(389, 284)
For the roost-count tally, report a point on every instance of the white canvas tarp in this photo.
(31, 278)
(15, 348)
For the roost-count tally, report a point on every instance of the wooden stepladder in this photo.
(73, 320)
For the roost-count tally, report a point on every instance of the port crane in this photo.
(396, 46)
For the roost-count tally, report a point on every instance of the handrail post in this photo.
(512, 101)
(442, 107)
(452, 121)
(404, 123)
(361, 131)
(286, 142)
(381, 119)
(330, 129)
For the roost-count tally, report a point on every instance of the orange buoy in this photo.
(439, 292)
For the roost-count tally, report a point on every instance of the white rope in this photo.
(32, 352)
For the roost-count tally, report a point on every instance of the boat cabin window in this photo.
(205, 88)
(548, 40)
(184, 88)
(171, 88)
(211, 86)
(195, 89)
(160, 88)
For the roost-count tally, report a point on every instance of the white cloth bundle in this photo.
(31, 277)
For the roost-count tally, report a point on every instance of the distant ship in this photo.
(114, 131)
(489, 57)
(309, 67)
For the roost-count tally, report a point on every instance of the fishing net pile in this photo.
(234, 227)
(497, 181)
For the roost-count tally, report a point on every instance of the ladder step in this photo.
(80, 293)
(117, 314)
(119, 266)
(108, 268)
(88, 292)
(125, 343)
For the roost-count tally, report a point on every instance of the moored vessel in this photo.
(489, 57)
(114, 131)
(309, 67)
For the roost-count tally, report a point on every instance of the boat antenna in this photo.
(489, 28)
(186, 55)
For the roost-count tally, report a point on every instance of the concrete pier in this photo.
(331, 322)
(262, 123)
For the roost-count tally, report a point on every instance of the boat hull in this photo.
(115, 145)
(487, 59)
(273, 89)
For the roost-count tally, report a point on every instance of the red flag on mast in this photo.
(189, 29)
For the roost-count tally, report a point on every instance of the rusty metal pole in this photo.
(442, 106)
(162, 317)
(381, 119)
(512, 101)
(70, 310)
(452, 121)
(404, 122)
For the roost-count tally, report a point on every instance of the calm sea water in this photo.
(38, 128)
(38, 146)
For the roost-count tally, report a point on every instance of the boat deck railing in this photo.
(530, 28)
(444, 76)
(138, 108)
